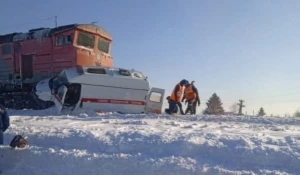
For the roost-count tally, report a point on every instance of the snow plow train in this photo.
(27, 58)
(70, 67)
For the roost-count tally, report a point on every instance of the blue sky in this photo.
(239, 49)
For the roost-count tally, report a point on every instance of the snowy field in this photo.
(118, 144)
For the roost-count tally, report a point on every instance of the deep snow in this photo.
(89, 143)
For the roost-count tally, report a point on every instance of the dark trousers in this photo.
(173, 107)
(1, 137)
(192, 105)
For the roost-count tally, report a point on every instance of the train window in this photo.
(68, 39)
(103, 45)
(85, 40)
(63, 40)
(6, 49)
(155, 97)
(96, 71)
(59, 41)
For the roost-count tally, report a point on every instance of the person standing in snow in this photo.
(192, 98)
(175, 98)
(4, 123)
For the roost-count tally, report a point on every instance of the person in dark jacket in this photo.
(175, 110)
(175, 98)
(192, 98)
(4, 123)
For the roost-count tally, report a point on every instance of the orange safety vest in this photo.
(189, 93)
(179, 94)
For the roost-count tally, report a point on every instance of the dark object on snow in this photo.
(18, 141)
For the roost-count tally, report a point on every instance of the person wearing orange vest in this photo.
(175, 98)
(192, 97)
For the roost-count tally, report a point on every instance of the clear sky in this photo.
(239, 49)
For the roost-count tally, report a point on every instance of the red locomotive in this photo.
(26, 58)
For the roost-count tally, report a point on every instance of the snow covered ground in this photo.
(88, 143)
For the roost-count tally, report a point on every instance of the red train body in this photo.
(26, 58)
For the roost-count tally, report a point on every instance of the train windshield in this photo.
(103, 45)
(59, 80)
(86, 40)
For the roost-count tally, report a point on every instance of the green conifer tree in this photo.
(214, 106)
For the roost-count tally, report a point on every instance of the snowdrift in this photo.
(89, 143)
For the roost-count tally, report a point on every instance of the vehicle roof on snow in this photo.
(108, 76)
(110, 71)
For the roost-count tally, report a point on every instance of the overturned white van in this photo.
(106, 89)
